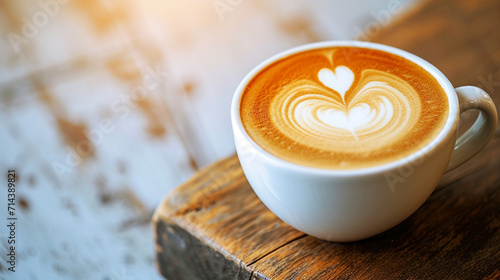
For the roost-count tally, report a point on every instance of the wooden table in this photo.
(215, 227)
(94, 153)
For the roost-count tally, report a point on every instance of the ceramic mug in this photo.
(349, 205)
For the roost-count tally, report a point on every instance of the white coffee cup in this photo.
(349, 205)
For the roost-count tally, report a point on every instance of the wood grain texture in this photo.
(218, 209)
(214, 227)
(148, 83)
(454, 235)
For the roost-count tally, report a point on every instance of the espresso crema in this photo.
(343, 108)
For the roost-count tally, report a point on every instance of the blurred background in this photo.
(106, 106)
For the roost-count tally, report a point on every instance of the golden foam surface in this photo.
(343, 108)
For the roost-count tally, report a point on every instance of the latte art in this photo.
(343, 108)
(317, 114)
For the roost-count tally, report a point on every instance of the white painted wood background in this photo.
(106, 106)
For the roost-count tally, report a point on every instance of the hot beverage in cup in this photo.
(345, 139)
(343, 108)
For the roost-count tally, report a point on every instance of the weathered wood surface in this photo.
(95, 154)
(214, 226)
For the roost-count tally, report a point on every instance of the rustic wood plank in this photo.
(216, 216)
(226, 233)
(454, 235)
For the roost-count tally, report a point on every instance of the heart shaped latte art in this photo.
(335, 112)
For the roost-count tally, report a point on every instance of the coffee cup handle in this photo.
(483, 129)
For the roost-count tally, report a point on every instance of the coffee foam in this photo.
(343, 108)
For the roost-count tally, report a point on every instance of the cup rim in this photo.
(446, 131)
